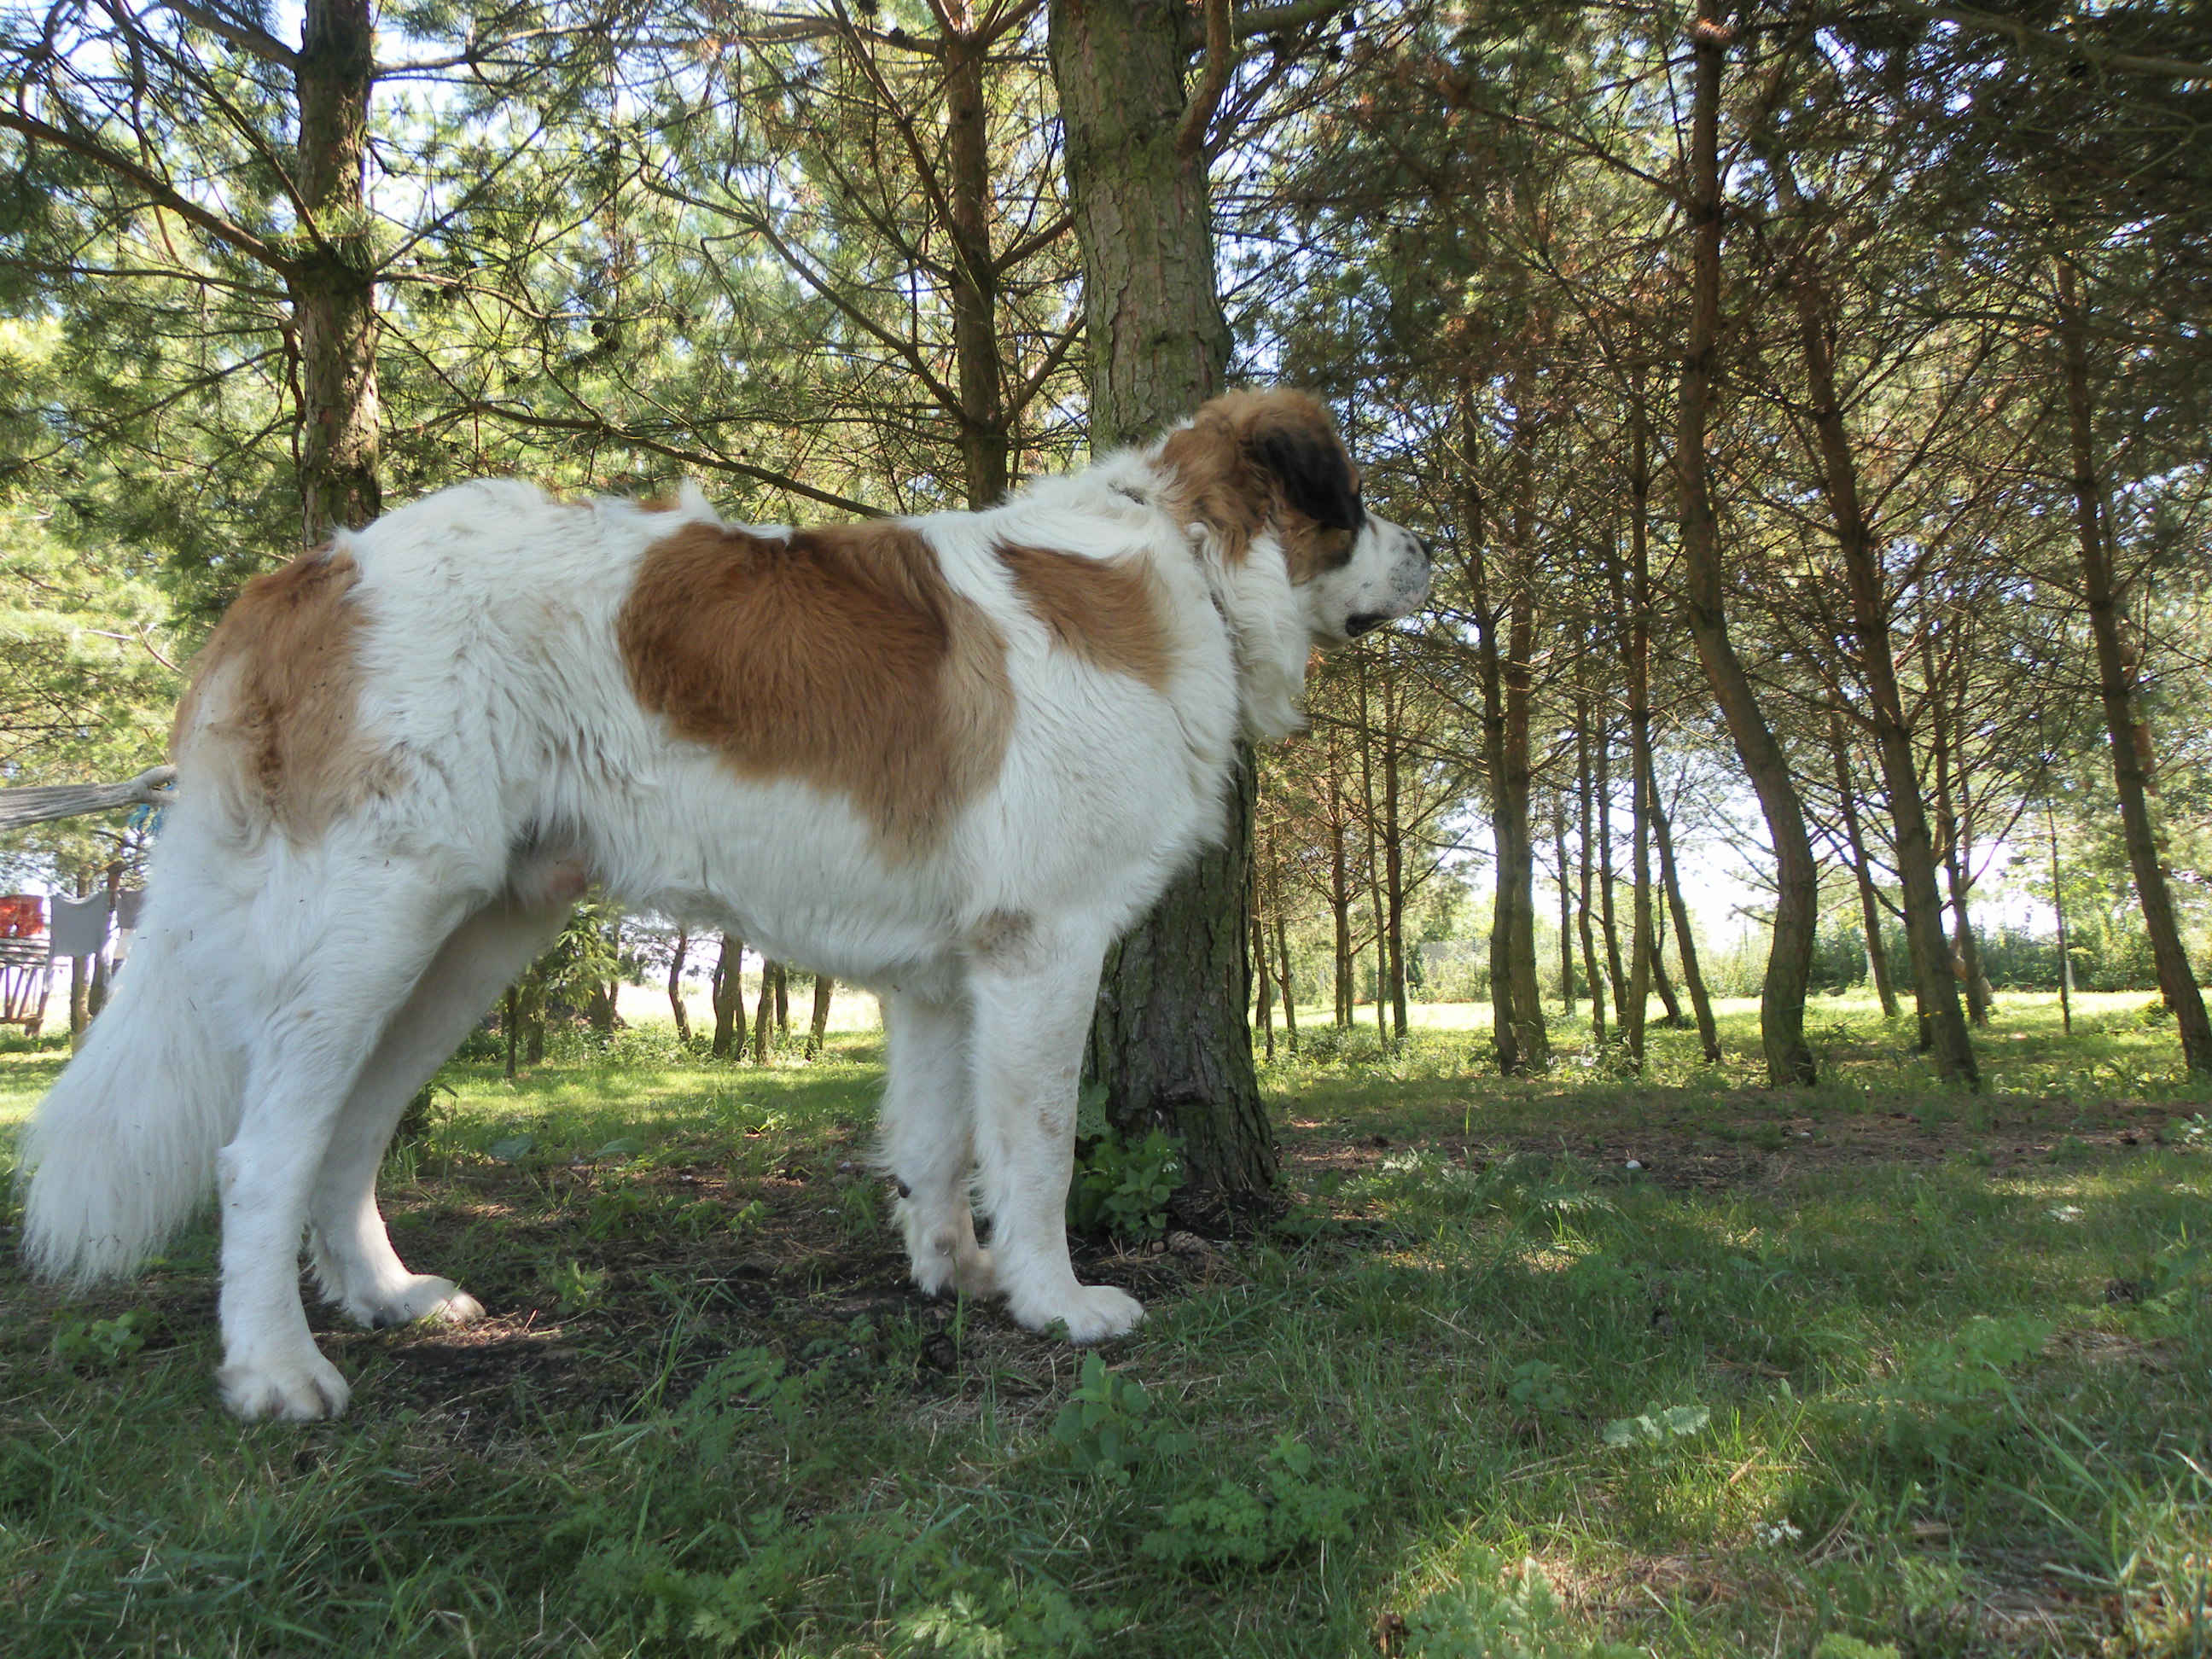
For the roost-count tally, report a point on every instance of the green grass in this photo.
(1870, 1362)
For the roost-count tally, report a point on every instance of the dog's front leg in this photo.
(1032, 991)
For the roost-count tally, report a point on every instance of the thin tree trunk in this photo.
(1943, 1023)
(1685, 942)
(332, 283)
(79, 978)
(1173, 1040)
(1615, 978)
(984, 439)
(1289, 985)
(1266, 1017)
(2177, 980)
(676, 986)
(511, 1021)
(729, 992)
(1583, 797)
(2058, 907)
(782, 1005)
(1656, 968)
(1566, 906)
(1950, 830)
(1394, 862)
(1643, 947)
(1870, 918)
(1374, 853)
(1790, 960)
(764, 1014)
(817, 1028)
(1339, 899)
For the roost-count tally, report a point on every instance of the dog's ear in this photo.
(1308, 461)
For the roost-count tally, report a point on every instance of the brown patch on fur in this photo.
(661, 501)
(1227, 465)
(1104, 611)
(273, 709)
(841, 657)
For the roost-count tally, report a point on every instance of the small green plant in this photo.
(1942, 1392)
(104, 1344)
(573, 1285)
(1123, 1189)
(1491, 1611)
(1106, 1426)
(1290, 1510)
(1657, 1428)
(1535, 1386)
(1000, 1621)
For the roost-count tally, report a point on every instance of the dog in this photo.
(948, 757)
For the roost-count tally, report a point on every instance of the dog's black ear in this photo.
(1314, 472)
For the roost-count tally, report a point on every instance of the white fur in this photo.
(283, 1001)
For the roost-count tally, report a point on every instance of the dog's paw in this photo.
(424, 1296)
(303, 1390)
(1094, 1313)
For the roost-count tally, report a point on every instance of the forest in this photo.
(1727, 932)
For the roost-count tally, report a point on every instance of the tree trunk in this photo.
(1289, 985)
(729, 994)
(1394, 860)
(984, 446)
(817, 1028)
(1616, 979)
(1643, 947)
(1267, 1014)
(1582, 835)
(1339, 899)
(1790, 960)
(1184, 1062)
(1566, 906)
(1943, 1024)
(1685, 942)
(1374, 852)
(1172, 1042)
(782, 1005)
(1951, 832)
(676, 986)
(764, 1015)
(2177, 980)
(1869, 902)
(332, 283)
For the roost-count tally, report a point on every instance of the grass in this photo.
(1871, 1362)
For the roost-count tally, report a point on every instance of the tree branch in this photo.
(2099, 56)
(1222, 51)
(124, 168)
(1296, 14)
(244, 36)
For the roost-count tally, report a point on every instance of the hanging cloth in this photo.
(80, 926)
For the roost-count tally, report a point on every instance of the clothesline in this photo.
(19, 808)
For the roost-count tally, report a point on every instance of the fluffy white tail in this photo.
(123, 1149)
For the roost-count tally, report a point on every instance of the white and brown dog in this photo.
(948, 757)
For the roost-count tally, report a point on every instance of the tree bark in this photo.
(676, 985)
(1289, 985)
(1394, 860)
(1877, 954)
(1790, 960)
(1616, 978)
(1374, 853)
(817, 1028)
(2177, 980)
(1949, 1043)
(1339, 899)
(1583, 836)
(1172, 1042)
(1566, 906)
(764, 1014)
(1685, 942)
(978, 370)
(332, 281)
(729, 993)
(1643, 947)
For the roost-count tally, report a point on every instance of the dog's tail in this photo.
(123, 1149)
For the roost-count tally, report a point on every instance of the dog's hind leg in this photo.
(1033, 989)
(359, 938)
(928, 1141)
(352, 1252)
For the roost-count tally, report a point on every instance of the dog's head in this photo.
(1255, 468)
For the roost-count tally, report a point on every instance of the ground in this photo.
(1875, 1363)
